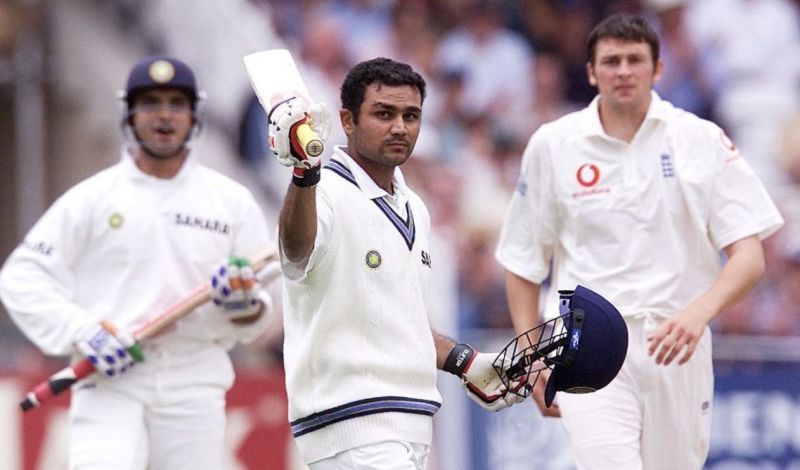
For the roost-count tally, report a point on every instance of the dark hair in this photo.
(381, 70)
(624, 26)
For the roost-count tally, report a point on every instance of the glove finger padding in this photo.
(485, 387)
(285, 120)
(108, 350)
(234, 289)
(320, 122)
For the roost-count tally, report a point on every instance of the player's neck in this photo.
(622, 122)
(382, 175)
(160, 167)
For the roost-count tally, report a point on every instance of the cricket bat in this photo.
(274, 77)
(264, 264)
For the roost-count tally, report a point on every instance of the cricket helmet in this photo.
(162, 71)
(584, 346)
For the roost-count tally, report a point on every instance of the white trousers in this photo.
(650, 417)
(167, 413)
(388, 455)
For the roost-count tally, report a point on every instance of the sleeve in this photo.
(37, 282)
(740, 204)
(529, 232)
(297, 271)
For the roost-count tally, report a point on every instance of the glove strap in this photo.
(307, 178)
(459, 359)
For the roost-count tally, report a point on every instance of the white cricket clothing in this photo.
(642, 223)
(631, 423)
(389, 455)
(124, 246)
(358, 350)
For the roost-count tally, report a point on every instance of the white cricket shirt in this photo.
(358, 350)
(641, 222)
(124, 246)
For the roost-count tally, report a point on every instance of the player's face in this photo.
(388, 126)
(624, 73)
(162, 120)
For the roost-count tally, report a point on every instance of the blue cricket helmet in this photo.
(596, 346)
(585, 347)
(160, 71)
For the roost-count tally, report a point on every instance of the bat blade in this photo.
(274, 77)
(273, 74)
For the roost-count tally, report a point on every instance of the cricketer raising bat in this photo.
(274, 77)
(266, 270)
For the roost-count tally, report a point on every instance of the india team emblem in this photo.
(161, 71)
(373, 259)
(115, 220)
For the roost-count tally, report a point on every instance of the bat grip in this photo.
(56, 383)
(309, 140)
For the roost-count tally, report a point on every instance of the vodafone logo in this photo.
(588, 174)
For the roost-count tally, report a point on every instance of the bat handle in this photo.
(309, 140)
(56, 383)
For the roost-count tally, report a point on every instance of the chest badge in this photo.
(373, 259)
(115, 220)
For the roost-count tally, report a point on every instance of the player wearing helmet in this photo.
(121, 247)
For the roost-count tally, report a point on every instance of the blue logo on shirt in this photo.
(522, 187)
(667, 170)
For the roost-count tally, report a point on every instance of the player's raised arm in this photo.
(298, 217)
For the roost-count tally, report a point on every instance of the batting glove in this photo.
(235, 290)
(111, 352)
(286, 121)
(481, 381)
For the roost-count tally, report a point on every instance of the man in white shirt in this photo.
(360, 357)
(121, 247)
(636, 199)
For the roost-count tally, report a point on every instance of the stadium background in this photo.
(496, 70)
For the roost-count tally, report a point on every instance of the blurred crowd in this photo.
(497, 69)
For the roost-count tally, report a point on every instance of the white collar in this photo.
(591, 125)
(134, 171)
(364, 181)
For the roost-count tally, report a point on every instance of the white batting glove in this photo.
(234, 289)
(484, 386)
(481, 380)
(109, 350)
(284, 120)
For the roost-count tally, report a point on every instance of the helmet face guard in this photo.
(585, 347)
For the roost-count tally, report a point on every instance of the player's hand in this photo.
(111, 352)
(538, 396)
(484, 386)
(678, 335)
(285, 120)
(235, 290)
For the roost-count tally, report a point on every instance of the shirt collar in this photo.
(591, 125)
(130, 167)
(365, 182)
